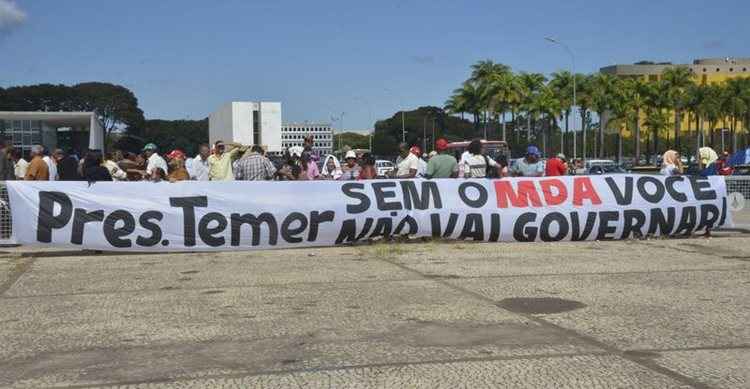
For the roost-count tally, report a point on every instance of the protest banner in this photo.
(197, 216)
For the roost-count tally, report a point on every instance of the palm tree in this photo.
(695, 95)
(676, 82)
(466, 99)
(482, 75)
(504, 91)
(562, 85)
(531, 84)
(602, 91)
(711, 109)
(733, 105)
(583, 100)
(546, 104)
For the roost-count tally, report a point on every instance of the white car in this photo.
(384, 167)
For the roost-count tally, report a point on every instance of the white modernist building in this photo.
(248, 123)
(65, 130)
(293, 134)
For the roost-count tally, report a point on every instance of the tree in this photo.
(531, 84)
(185, 135)
(562, 85)
(504, 92)
(353, 140)
(583, 100)
(676, 82)
(546, 104)
(602, 90)
(116, 106)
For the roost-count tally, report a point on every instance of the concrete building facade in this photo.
(293, 134)
(249, 123)
(66, 130)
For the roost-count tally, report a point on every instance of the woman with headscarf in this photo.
(671, 164)
(331, 169)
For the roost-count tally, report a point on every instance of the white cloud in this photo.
(10, 15)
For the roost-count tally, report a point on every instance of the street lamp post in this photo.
(572, 108)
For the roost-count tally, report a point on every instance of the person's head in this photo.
(176, 154)
(330, 164)
(441, 145)
(58, 155)
(416, 151)
(93, 158)
(561, 157)
(15, 154)
(350, 158)
(308, 141)
(36, 151)
(257, 149)
(475, 147)
(532, 154)
(117, 156)
(367, 160)
(219, 147)
(204, 151)
(403, 150)
(149, 149)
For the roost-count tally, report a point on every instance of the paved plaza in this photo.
(656, 313)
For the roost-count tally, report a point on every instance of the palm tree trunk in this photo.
(637, 145)
(677, 128)
(583, 134)
(528, 127)
(503, 125)
(562, 136)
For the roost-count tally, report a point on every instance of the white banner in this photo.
(192, 216)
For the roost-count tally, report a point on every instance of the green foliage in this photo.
(353, 140)
(418, 124)
(186, 135)
(116, 106)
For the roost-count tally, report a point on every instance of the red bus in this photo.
(492, 148)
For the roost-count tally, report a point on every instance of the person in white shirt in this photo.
(153, 160)
(476, 164)
(19, 164)
(51, 164)
(198, 167)
(408, 163)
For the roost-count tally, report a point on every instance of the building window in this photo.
(256, 127)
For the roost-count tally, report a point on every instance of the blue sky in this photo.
(183, 58)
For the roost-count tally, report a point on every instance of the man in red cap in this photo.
(443, 165)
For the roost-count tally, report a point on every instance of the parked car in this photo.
(384, 167)
(602, 166)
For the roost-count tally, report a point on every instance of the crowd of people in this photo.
(228, 162)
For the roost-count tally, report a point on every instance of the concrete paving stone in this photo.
(565, 372)
(505, 259)
(162, 334)
(201, 270)
(641, 311)
(729, 368)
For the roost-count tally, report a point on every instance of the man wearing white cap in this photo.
(351, 169)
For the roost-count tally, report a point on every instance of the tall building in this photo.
(293, 134)
(248, 123)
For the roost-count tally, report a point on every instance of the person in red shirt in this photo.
(556, 166)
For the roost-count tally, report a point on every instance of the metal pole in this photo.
(403, 127)
(572, 108)
(433, 133)
(424, 135)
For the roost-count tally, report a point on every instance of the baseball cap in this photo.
(350, 154)
(561, 156)
(176, 154)
(149, 146)
(416, 151)
(441, 144)
(532, 150)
